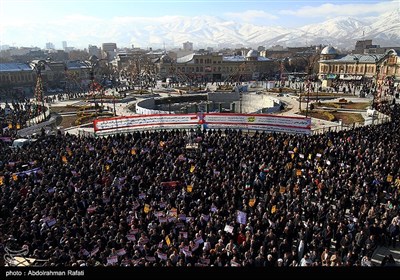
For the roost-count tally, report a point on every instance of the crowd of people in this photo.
(235, 199)
(16, 115)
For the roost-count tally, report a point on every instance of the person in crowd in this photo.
(143, 200)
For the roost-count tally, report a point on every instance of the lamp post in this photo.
(308, 96)
(115, 112)
(92, 64)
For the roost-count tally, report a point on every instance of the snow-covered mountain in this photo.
(216, 32)
(209, 31)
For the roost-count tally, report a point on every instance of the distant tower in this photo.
(94, 50)
(50, 46)
(188, 46)
(64, 45)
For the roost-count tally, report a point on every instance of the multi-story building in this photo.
(357, 67)
(207, 67)
(188, 46)
(94, 51)
(16, 75)
(109, 51)
(50, 46)
(64, 45)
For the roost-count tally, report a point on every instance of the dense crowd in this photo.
(236, 199)
(15, 115)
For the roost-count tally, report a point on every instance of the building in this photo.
(359, 67)
(214, 67)
(188, 46)
(50, 46)
(94, 50)
(64, 45)
(109, 51)
(109, 47)
(16, 75)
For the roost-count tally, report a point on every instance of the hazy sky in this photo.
(80, 22)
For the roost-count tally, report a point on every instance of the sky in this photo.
(82, 22)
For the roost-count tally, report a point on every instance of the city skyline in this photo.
(84, 22)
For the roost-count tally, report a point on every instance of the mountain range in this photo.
(209, 31)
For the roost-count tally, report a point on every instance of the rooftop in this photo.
(14, 66)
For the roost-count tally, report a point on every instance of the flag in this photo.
(189, 188)
(146, 208)
(64, 159)
(192, 168)
(167, 240)
(252, 202)
(273, 209)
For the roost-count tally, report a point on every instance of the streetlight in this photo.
(308, 93)
(115, 112)
(92, 64)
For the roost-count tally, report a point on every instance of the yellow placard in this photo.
(192, 168)
(319, 169)
(330, 143)
(252, 202)
(189, 188)
(389, 178)
(167, 240)
(18, 126)
(309, 156)
(298, 172)
(133, 152)
(162, 143)
(10, 125)
(292, 155)
(273, 209)
(15, 177)
(107, 167)
(1, 180)
(64, 159)
(173, 212)
(146, 208)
